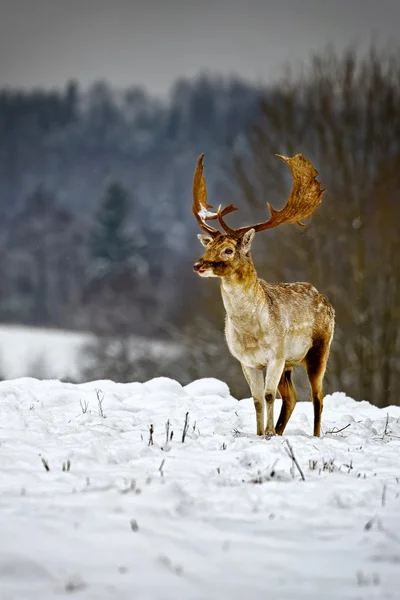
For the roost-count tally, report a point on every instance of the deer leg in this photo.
(274, 371)
(255, 379)
(289, 399)
(316, 361)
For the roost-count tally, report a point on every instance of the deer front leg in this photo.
(274, 372)
(255, 379)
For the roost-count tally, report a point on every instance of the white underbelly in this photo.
(296, 348)
(258, 352)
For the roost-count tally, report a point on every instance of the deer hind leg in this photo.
(316, 361)
(289, 399)
(274, 372)
(255, 379)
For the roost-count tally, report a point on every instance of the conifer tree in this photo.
(111, 245)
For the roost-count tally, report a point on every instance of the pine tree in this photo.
(111, 245)
(116, 296)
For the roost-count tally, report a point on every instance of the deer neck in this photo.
(241, 293)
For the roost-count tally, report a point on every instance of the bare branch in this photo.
(291, 454)
(336, 430)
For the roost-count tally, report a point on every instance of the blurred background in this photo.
(104, 109)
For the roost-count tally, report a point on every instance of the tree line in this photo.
(71, 160)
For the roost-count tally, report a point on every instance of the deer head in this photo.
(226, 253)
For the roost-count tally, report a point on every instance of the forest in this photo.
(97, 232)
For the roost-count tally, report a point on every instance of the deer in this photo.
(269, 328)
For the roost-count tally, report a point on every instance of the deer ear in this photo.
(247, 240)
(205, 239)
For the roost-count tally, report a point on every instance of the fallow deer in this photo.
(271, 327)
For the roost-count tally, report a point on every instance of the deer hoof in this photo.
(269, 433)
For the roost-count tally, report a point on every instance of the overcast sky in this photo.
(153, 42)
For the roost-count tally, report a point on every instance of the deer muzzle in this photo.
(199, 267)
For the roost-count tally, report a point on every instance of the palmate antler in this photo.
(200, 205)
(305, 197)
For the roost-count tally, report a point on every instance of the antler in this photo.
(305, 197)
(200, 205)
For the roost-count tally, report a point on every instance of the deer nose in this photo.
(197, 266)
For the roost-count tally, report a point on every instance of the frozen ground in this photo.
(220, 516)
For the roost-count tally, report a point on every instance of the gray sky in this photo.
(153, 42)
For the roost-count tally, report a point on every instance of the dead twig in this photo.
(168, 436)
(384, 494)
(100, 398)
(84, 406)
(185, 427)
(45, 464)
(349, 467)
(151, 431)
(160, 468)
(167, 425)
(266, 477)
(385, 431)
(386, 425)
(66, 466)
(291, 455)
(336, 430)
(134, 525)
(131, 487)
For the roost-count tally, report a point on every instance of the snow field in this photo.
(24, 350)
(56, 353)
(88, 507)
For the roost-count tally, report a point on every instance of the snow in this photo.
(56, 353)
(204, 214)
(222, 515)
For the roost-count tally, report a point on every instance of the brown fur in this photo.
(271, 326)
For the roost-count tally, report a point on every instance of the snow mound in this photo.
(158, 491)
(208, 386)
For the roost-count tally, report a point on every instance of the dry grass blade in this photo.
(151, 431)
(384, 494)
(294, 459)
(185, 427)
(45, 464)
(336, 430)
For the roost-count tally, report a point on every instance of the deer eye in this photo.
(228, 251)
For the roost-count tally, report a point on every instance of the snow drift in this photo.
(92, 504)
